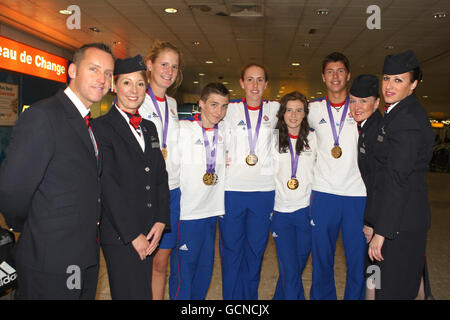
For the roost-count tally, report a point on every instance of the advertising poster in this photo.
(9, 94)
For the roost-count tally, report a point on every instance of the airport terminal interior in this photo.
(217, 38)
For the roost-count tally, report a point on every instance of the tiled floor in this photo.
(438, 253)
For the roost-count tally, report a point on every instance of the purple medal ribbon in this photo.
(166, 118)
(294, 160)
(210, 153)
(252, 140)
(333, 125)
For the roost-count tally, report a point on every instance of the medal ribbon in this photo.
(252, 139)
(333, 125)
(294, 160)
(210, 152)
(166, 118)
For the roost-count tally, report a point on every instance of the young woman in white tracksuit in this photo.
(291, 227)
(249, 186)
(164, 71)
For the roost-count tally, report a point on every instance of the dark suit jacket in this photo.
(50, 187)
(403, 150)
(135, 188)
(366, 159)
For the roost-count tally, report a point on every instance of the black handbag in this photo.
(8, 274)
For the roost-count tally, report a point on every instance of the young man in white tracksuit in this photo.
(201, 147)
(338, 196)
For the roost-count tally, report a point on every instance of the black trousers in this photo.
(78, 284)
(130, 278)
(402, 267)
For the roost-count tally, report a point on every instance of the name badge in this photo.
(155, 142)
(380, 138)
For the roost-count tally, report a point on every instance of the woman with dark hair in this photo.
(399, 210)
(135, 192)
(291, 227)
(249, 187)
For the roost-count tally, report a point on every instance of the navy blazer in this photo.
(50, 187)
(135, 188)
(366, 159)
(403, 150)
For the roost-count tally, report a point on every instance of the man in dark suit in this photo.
(400, 211)
(135, 186)
(50, 188)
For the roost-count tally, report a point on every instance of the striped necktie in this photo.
(87, 119)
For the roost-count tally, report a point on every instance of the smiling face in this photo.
(362, 108)
(335, 76)
(91, 76)
(397, 87)
(164, 71)
(130, 89)
(295, 112)
(213, 109)
(253, 83)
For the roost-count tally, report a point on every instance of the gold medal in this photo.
(292, 183)
(164, 153)
(251, 159)
(336, 152)
(209, 179)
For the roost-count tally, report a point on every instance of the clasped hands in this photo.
(145, 245)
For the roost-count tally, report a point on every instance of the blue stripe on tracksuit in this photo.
(292, 235)
(169, 238)
(329, 214)
(244, 231)
(192, 261)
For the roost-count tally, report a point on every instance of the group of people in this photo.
(151, 189)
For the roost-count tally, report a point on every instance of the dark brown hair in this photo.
(143, 73)
(266, 76)
(335, 57)
(214, 87)
(302, 139)
(79, 53)
(415, 74)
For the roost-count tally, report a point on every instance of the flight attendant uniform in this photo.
(249, 197)
(192, 260)
(366, 158)
(337, 202)
(159, 110)
(401, 210)
(291, 228)
(136, 195)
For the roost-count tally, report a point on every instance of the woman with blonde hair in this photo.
(163, 63)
